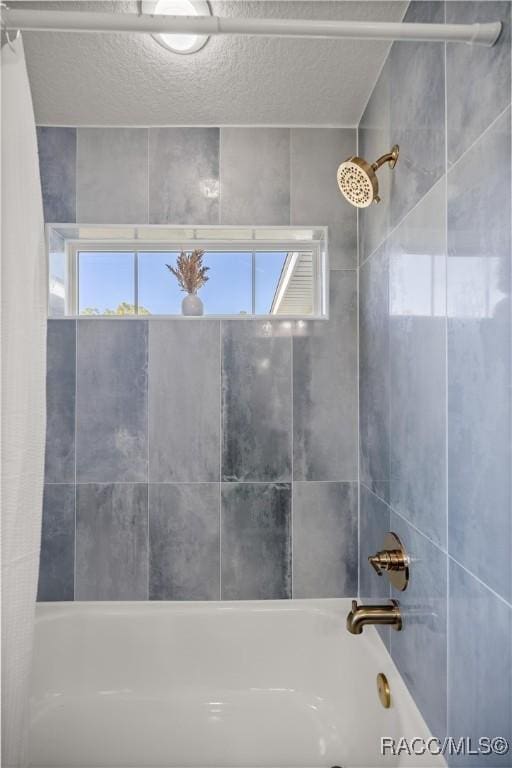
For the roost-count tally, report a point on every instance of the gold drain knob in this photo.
(383, 690)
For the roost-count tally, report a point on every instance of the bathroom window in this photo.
(122, 272)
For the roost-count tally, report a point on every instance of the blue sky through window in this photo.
(107, 279)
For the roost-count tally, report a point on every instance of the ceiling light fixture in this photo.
(182, 43)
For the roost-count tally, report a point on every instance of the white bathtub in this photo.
(274, 683)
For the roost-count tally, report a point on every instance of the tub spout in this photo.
(360, 615)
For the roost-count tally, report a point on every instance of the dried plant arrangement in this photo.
(189, 271)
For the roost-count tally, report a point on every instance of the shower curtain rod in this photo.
(76, 21)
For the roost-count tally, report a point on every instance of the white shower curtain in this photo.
(23, 357)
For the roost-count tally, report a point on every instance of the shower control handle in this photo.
(393, 561)
(387, 560)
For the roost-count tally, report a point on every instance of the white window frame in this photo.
(318, 248)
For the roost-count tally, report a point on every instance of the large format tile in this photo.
(374, 372)
(417, 113)
(112, 542)
(325, 388)
(479, 359)
(184, 175)
(417, 343)
(315, 198)
(111, 438)
(184, 541)
(256, 541)
(480, 666)
(256, 407)
(57, 559)
(255, 176)
(57, 166)
(324, 540)
(477, 78)
(112, 175)
(423, 606)
(184, 401)
(60, 401)
(374, 134)
(374, 523)
(395, 115)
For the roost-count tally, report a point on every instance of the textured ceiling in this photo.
(100, 79)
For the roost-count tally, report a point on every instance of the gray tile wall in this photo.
(57, 164)
(198, 460)
(178, 158)
(255, 183)
(112, 175)
(184, 411)
(184, 540)
(111, 401)
(111, 541)
(256, 402)
(435, 370)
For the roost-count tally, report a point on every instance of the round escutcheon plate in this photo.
(383, 690)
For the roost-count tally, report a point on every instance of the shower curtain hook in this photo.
(10, 42)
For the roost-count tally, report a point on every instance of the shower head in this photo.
(358, 181)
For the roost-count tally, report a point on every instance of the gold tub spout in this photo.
(360, 615)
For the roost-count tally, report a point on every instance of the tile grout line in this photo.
(358, 404)
(479, 580)
(77, 136)
(389, 404)
(220, 177)
(220, 454)
(260, 126)
(76, 174)
(292, 494)
(75, 456)
(147, 177)
(446, 405)
(358, 494)
(412, 525)
(290, 219)
(147, 438)
(399, 223)
(403, 219)
(202, 482)
(441, 549)
(480, 136)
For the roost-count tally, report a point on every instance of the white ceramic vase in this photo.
(192, 305)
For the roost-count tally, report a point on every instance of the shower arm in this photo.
(389, 157)
(14, 19)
